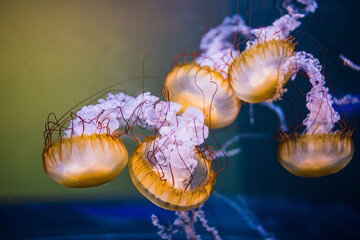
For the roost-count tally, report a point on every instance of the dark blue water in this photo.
(131, 219)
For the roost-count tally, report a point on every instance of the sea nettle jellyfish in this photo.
(261, 71)
(89, 151)
(194, 86)
(85, 160)
(319, 150)
(257, 74)
(203, 82)
(170, 169)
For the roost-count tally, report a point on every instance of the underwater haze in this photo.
(54, 54)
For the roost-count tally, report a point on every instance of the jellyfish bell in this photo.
(318, 150)
(85, 160)
(261, 72)
(315, 155)
(196, 86)
(84, 149)
(169, 186)
(203, 82)
(170, 169)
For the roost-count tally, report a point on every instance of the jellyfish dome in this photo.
(170, 169)
(90, 152)
(86, 160)
(194, 86)
(168, 186)
(319, 150)
(258, 74)
(315, 155)
(261, 71)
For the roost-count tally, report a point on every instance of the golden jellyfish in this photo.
(315, 155)
(196, 86)
(319, 150)
(167, 186)
(88, 152)
(258, 74)
(85, 160)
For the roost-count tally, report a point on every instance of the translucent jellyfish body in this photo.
(196, 86)
(85, 160)
(170, 187)
(315, 155)
(260, 73)
(319, 150)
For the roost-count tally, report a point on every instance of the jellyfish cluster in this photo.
(173, 166)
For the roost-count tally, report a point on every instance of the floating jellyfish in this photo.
(196, 86)
(261, 71)
(170, 169)
(204, 83)
(256, 75)
(316, 154)
(318, 151)
(170, 187)
(260, 74)
(90, 153)
(85, 160)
